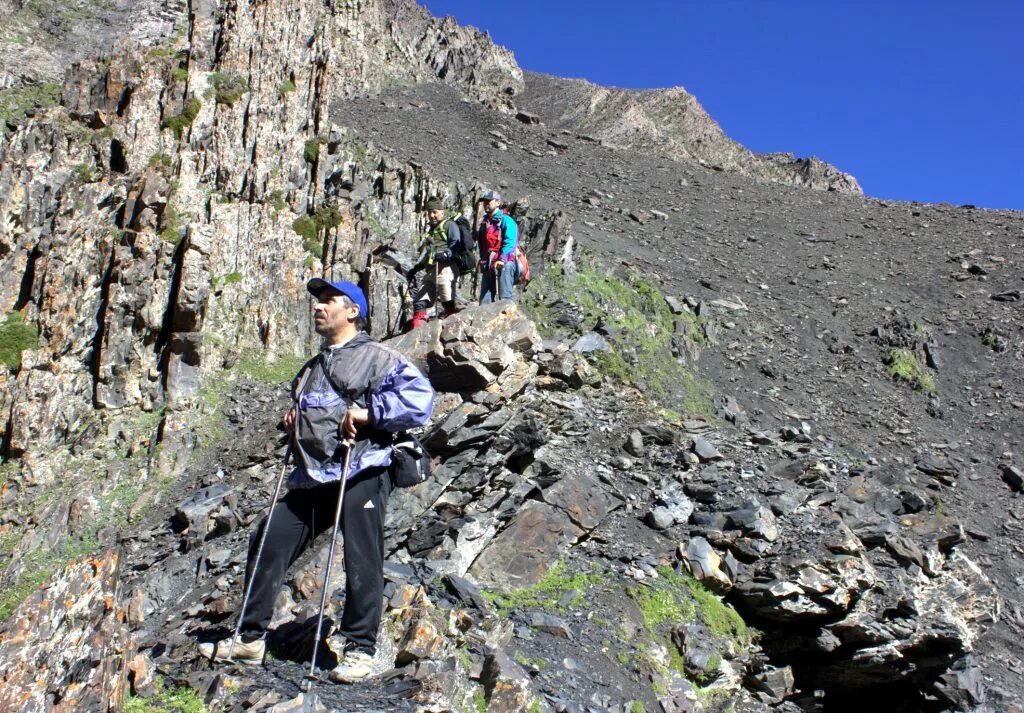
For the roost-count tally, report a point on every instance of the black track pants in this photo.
(299, 517)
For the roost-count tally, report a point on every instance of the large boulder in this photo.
(473, 348)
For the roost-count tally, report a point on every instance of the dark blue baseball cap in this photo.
(349, 289)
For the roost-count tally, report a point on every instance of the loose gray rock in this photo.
(634, 444)
(1014, 477)
(705, 450)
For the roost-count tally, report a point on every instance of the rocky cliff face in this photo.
(158, 227)
(40, 39)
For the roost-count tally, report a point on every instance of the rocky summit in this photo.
(748, 441)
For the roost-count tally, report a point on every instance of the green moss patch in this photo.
(665, 601)
(227, 88)
(549, 593)
(179, 122)
(904, 366)
(166, 700)
(16, 104)
(255, 365)
(675, 599)
(172, 225)
(311, 150)
(311, 227)
(39, 565)
(16, 337)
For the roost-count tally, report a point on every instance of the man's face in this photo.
(331, 316)
(435, 216)
(491, 205)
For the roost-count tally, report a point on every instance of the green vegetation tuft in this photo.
(171, 220)
(17, 104)
(549, 593)
(327, 217)
(305, 227)
(479, 701)
(311, 150)
(277, 200)
(674, 599)
(87, 173)
(161, 52)
(30, 580)
(160, 160)
(179, 122)
(286, 88)
(173, 700)
(311, 227)
(663, 602)
(906, 367)
(718, 617)
(106, 133)
(643, 331)
(232, 278)
(227, 88)
(255, 365)
(709, 698)
(179, 74)
(16, 337)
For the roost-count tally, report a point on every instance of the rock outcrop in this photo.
(670, 123)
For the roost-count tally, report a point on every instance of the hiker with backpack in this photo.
(350, 403)
(445, 250)
(498, 238)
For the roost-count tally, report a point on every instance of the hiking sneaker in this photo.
(356, 666)
(247, 652)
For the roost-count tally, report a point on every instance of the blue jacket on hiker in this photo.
(370, 375)
(498, 238)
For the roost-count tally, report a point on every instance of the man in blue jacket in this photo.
(355, 388)
(498, 237)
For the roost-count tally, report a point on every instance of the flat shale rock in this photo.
(520, 554)
(583, 498)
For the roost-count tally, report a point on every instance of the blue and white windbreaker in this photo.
(361, 372)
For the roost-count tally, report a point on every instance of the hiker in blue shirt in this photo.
(498, 237)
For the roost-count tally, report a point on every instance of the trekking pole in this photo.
(311, 676)
(259, 550)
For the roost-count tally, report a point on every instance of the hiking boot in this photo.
(356, 666)
(251, 652)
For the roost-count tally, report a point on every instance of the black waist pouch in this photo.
(410, 462)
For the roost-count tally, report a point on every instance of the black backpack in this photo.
(464, 254)
(410, 462)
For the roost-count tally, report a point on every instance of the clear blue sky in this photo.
(919, 99)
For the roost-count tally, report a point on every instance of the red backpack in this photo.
(523, 277)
